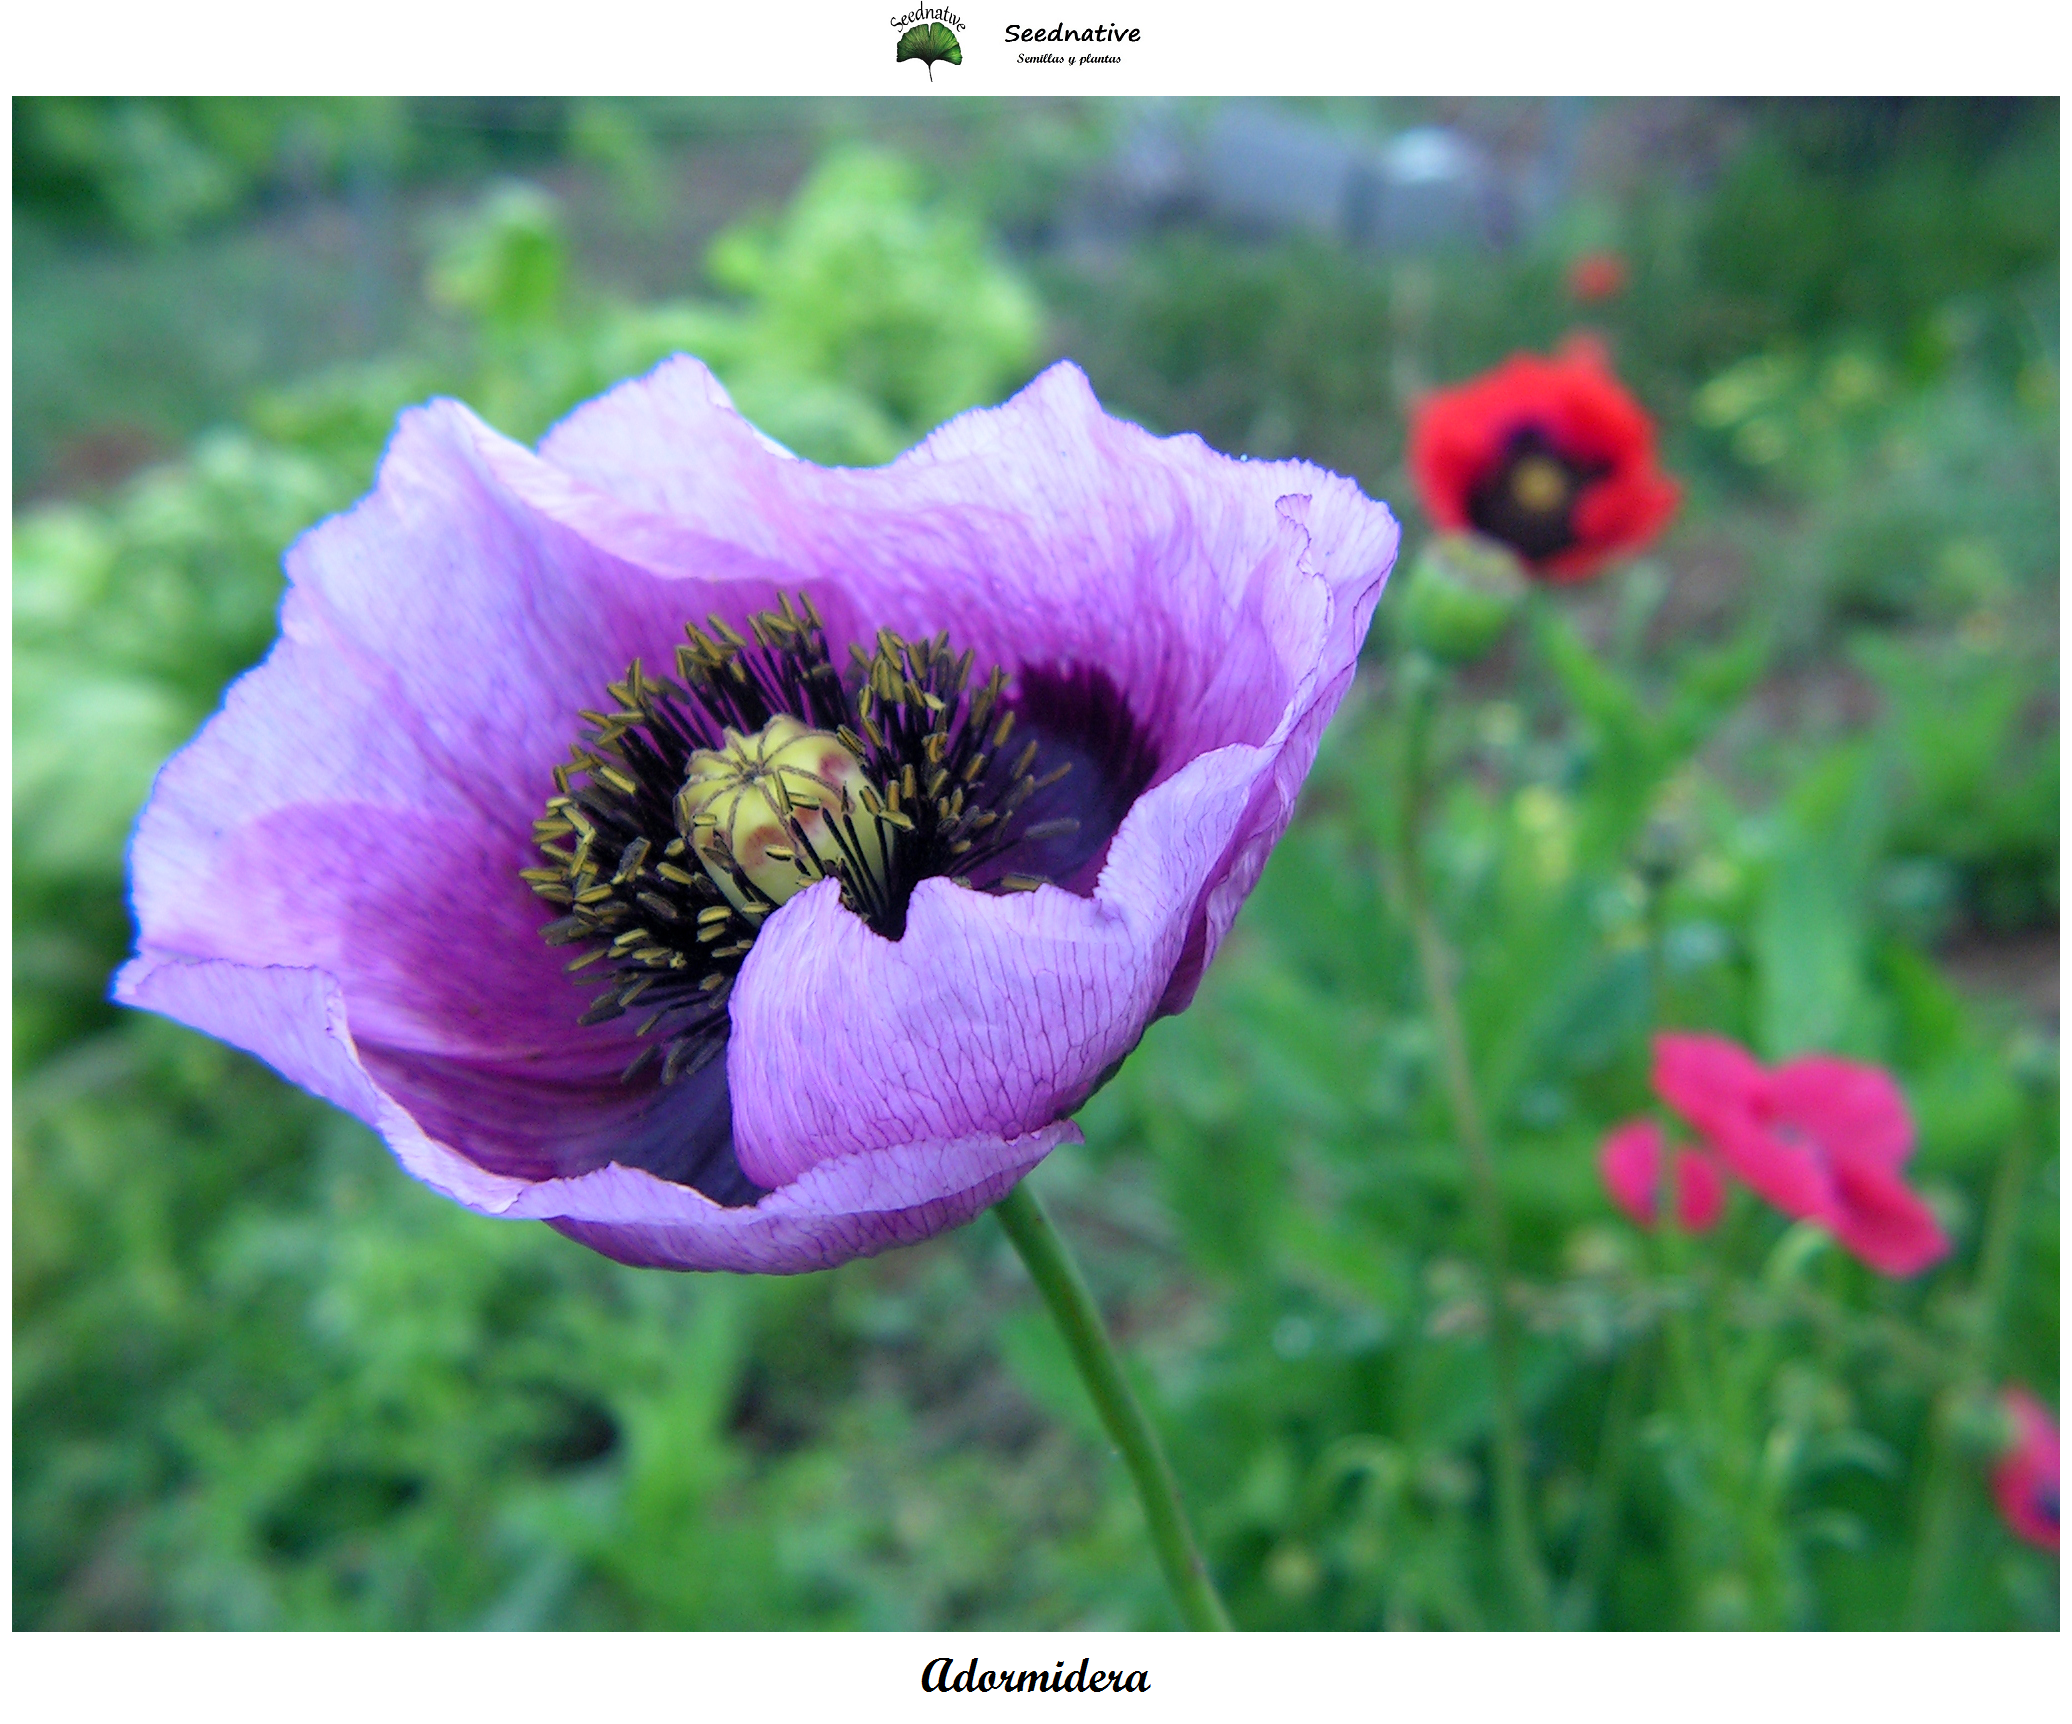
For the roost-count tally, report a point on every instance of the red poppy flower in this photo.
(2025, 1483)
(1821, 1138)
(1596, 276)
(1631, 1163)
(1550, 456)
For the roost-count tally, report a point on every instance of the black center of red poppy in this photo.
(1527, 499)
(694, 806)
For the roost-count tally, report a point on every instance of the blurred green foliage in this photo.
(1879, 216)
(854, 282)
(155, 169)
(263, 1379)
(152, 169)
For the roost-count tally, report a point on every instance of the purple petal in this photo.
(1227, 599)
(363, 802)
(851, 1207)
(1040, 531)
(992, 1015)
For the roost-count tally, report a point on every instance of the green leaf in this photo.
(1812, 926)
(1588, 1017)
(929, 43)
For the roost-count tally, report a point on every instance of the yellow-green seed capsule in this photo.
(784, 807)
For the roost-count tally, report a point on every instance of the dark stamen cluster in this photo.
(944, 791)
(942, 755)
(1528, 499)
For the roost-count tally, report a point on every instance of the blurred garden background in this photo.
(1791, 776)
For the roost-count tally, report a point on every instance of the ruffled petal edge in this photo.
(851, 1206)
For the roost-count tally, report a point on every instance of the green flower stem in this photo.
(1065, 1291)
(1607, 1490)
(1600, 1541)
(1693, 1536)
(1435, 964)
(1755, 1458)
(1940, 1492)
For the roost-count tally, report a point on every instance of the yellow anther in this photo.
(1539, 484)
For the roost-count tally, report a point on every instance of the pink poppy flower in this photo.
(1631, 1162)
(1822, 1138)
(2025, 1483)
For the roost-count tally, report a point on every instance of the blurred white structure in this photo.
(1259, 168)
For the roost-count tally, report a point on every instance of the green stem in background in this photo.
(1693, 1538)
(1757, 1453)
(1607, 1490)
(1940, 1496)
(1065, 1291)
(1435, 964)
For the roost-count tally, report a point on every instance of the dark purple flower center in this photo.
(693, 807)
(1528, 498)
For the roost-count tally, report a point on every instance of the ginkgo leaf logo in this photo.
(929, 43)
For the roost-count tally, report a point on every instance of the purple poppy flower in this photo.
(880, 810)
